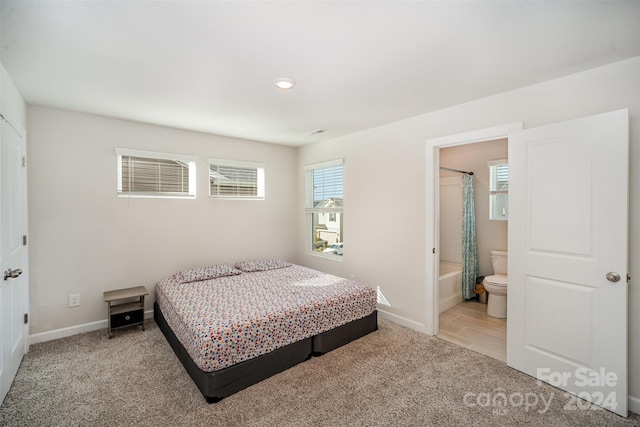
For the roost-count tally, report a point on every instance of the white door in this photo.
(568, 221)
(13, 255)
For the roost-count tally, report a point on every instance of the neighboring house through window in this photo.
(230, 179)
(323, 204)
(151, 174)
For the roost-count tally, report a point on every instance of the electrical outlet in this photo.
(353, 277)
(74, 300)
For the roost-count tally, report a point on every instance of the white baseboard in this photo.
(634, 404)
(73, 330)
(402, 321)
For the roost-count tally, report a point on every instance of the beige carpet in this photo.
(393, 377)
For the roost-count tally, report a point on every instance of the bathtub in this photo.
(450, 285)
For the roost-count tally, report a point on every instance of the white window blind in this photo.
(324, 184)
(148, 174)
(499, 180)
(236, 180)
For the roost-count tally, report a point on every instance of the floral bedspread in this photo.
(227, 320)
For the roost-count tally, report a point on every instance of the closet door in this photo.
(13, 255)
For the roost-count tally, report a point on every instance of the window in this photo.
(323, 203)
(499, 189)
(148, 174)
(230, 179)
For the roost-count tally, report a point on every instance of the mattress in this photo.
(227, 320)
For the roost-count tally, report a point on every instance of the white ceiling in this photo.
(209, 66)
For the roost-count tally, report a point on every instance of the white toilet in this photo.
(496, 285)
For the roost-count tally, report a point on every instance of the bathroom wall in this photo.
(492, 234)
(450, 217)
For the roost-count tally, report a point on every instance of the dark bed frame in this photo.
(222, 383)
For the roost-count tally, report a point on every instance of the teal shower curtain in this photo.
(469, 240)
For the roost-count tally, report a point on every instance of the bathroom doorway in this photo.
(464, 322)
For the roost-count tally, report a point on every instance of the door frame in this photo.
(432, 212)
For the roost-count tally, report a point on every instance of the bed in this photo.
(232, 327)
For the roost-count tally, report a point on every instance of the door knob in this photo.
(613, 276)
(12, 274)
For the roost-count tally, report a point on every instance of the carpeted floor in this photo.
(393, 377)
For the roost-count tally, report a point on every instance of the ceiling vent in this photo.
(317, 131)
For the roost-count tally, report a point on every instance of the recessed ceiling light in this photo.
(284, 83)
(317, 131)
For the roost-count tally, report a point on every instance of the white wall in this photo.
(491, 234)
(84, 239)
(385, 174)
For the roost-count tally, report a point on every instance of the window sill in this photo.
(235, 198)
(326, 256)
(154, 196)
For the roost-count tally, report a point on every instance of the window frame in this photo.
(261, 174)
(310, 210)
(153, 155)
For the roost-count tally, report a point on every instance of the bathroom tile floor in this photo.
(468, 325)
